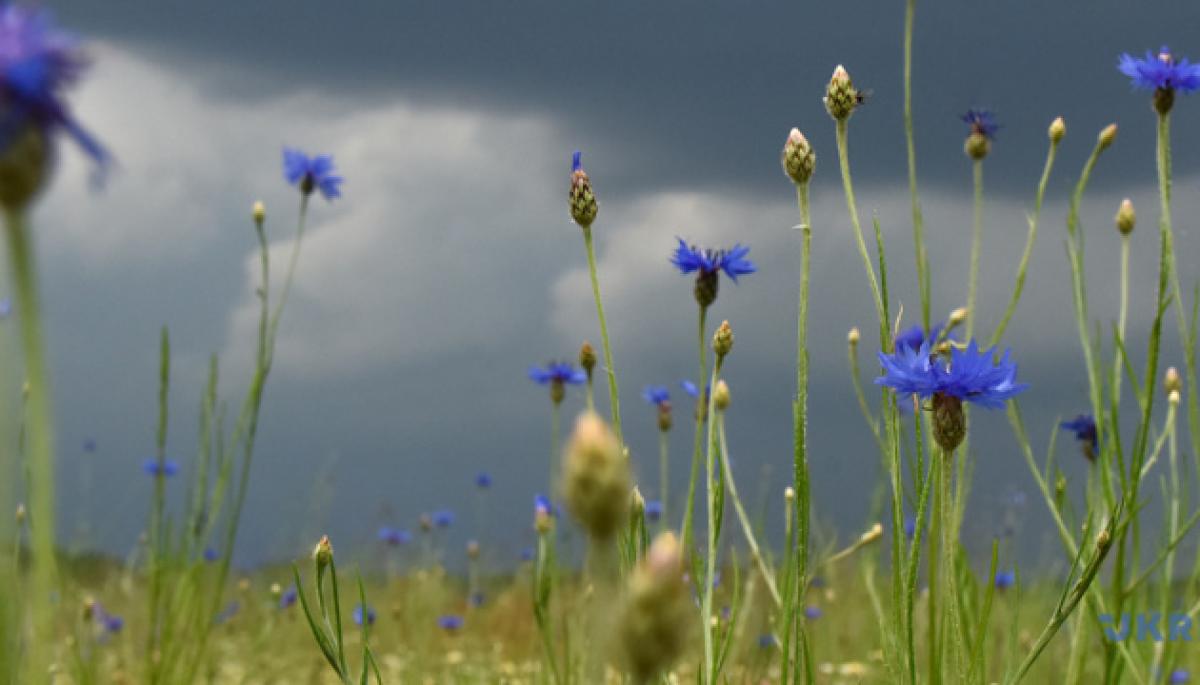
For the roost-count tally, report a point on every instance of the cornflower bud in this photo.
(653, 622)
(798, 158)
(723, 340)
(1058, 129)
(721, 395)
(1126, 218)
(587, 358)
(1107, 136)
(841, 98)
(583, 203)
(596, 475)
(323, 553)
(1171, 380)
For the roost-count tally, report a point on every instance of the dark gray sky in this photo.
(450, 266)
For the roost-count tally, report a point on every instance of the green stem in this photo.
(1122, 316)
(976, 246)
(663, 465)
(555, 416)
(710, 657)
(701, 416)
(1019, 285)
(747, 529)
(608, 359)
(41, 448)
(917, 218)
(800, 408)
(852, 208)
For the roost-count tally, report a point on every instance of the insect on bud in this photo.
(1126, 217)
(841, 98)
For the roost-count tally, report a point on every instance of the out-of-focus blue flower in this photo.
(476, 599)
(166, 469)
(450, 622)
(360, 615)
(288, 597)
(1005, 579)
(914, 336)
(689, 258)
(89, 445)
(542, 503)
(1160, 72)
(109, 623)
(766, 641)
(309, 173)
(656, 395)
(812, 612)
(557, 372)
(443, 518)
(910, 526)
(1179, 676)
(394, 536)
(527, 554)
(6, 307)
(228, 612)
(211, 554)
(971, 375)
(981, 121)
(817, 582)
(654, 510)
(483, 480)
(690, 389)
(1084, 428)
(37, 62)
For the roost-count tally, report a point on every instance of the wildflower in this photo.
(654, 510)
(360, 614)
(970, 376)
(394, 536)
(1084, 428)
(690, 389)
(983, 132)
(708, 263)
(323, 553)
(527, 554)
(841, 97)
(211, 554)
(89, 445)
(311, 173)
(483, 480)
(582, 201)
(652, 623)
(657, 395)
(443, 518)
(1106, 137)
(1162, 74)
(38, 61)
(450, 622)
(1179, 676)
(910, 526)
(1058, 129)
(812, 612)
(288, 598)
(110, 623)
(1005, 579)
(166, 468)
(798, 159)
(766, 641)
(915, 336)
(557, 375)
(596, 474)
(258, 212)
(723, 340)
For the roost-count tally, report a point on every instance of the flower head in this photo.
(689, 258)
(1179, 676)
(483, 480)
(656, 395)
(581, 198)
(812, 612)
(910, 526)
(982, 122)
(1160, 72)
(362, 614)
(288, 598)
(1084, 428)
(690, 389)
(450, 622)
(1005, 579)
(654, 510)
(211, 554)
(37, 62)
(311, 173)
(394, 536)
(166, 468)
(557, 372)
(970, 375)
(443, 518)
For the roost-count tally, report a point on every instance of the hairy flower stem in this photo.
(976, 246)
(40, 451)
(608, 358)
(800, 405)
(747, 528)
(1121, 317)
(1019, 285)
(952, 622)
(852, 208)
(663, 480)
(701, 416)
(918, 218)
(710, 656)
(555, 450)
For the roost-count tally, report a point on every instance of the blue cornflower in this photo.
(166, 469)
(288, 598)
(311, 173)
(443, 518)
(1179, 676)
(37, 62)
(360, 615)
(394, 536)
(1084, 428)
(557, 372)
(542, 504)
(1160, 72)
(654, 510)
(971, 375)
(812, 612)
(228, 612)
(211, 554)
(483, 480)
(89, 445)
(6, 307)
(689, 258)
(690, 389)
(527, 554)
(910, 526)
(450, 622)
(766, 641)
(657, 395)
(982, 121)
(1005, 579)
(914, 336)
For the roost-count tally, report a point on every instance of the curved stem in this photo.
(41, 447)
(710, 657)
(852, 208)
(701, 416)
(747, 529)
(608, 358)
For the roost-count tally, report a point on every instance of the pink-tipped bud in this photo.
(798, 158)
